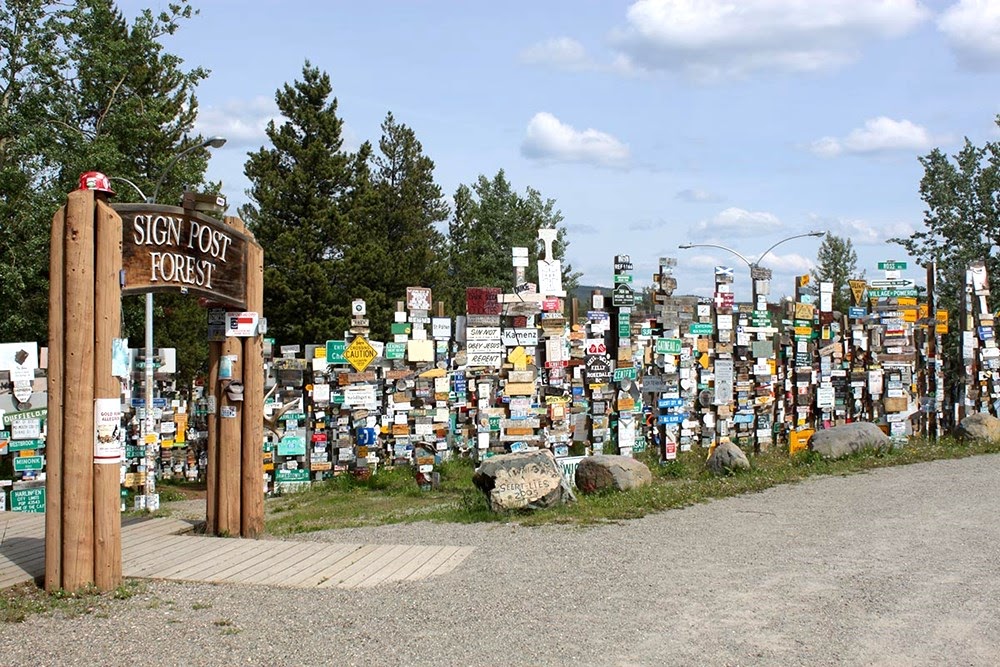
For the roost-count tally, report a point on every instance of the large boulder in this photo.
(840, 441)
(604, 471)
(727, 458)
(525, 480)
(979, 426)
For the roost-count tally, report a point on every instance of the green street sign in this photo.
(335, 352)
(25, 463)
(28, 500)
(494, 423)
(623, 278)
(701, 329)
(21, 445)
(891, 265)
(395, 350)
(668, 345)
(134, 452)
(646, 331)
(877, 293)
(626, 374)
(624, 330)
(297, 475)
(401, 328)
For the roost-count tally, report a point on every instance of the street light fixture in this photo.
(751, 264)
(211, 142)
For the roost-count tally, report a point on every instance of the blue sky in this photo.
(651, 123)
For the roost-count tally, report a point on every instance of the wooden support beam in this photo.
(54, 426)
(252, 462)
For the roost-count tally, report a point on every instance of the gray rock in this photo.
(596, 473)
(840, 441)
(979, 426)
(726, 458)
(525, 480)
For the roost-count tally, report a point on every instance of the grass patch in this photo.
(19, 603)
(392, 496)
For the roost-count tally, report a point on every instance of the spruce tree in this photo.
(837, 262)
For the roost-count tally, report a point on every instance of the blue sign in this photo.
(856, 312)
(740, 418)
(670, 403)
(366, 436)
(672, 419)
(141, 402)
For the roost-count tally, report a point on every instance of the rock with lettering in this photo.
(727, 458)
(841, 441)
(528, 480)
(979, 426)
(621, 473)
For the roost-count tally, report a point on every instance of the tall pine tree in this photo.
(300, 189)
(837, 262)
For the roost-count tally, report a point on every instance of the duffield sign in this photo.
(167, 248)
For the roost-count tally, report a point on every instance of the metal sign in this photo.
(598, 370)
(891, 265)
(360, 353)
(622, 296)
(880, 293)
(335, 352)
(28, 500)
(668, 345)
(901, 283)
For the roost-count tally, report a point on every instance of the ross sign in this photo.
(28, 500)
(891, 265)
(166, 248)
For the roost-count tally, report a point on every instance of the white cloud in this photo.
(973, 31)
(861, 232)
(241, 122)
(790, 264)
(561, 52)
(738, 222)
(549, 139)
(720, 39)
(697, 195)
(878, 135)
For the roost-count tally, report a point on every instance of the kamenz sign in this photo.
(166, 248)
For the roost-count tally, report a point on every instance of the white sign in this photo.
(359, 396)
(550, 278)
(441, 328)
(25, 429)
(825, 398)
(482, 346)
(321, 393)
(243, 325)
(107, 430)
(482, 333)
(492, 359)
(523, 337)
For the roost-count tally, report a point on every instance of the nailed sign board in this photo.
(360, 353)
(243, 325)
(165, 248)
(28, 500)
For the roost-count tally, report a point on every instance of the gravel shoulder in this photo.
(898, 566)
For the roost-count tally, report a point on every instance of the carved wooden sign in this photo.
(166, 248)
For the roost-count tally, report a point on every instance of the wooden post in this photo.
(252, 463)
(78, 392)
(107, 327)
(54, 426)
(212, 474)
(230, 430)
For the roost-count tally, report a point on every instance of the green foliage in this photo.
(837, 262)
(82, 89)
(489, 219)
(300, 192)
(961, 225)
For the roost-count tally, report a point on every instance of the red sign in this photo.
(482, 301)
(550, 304)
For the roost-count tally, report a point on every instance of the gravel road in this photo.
(895, 567)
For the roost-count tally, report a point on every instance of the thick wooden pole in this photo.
(78, 407)
(54, 426)
(252, 463)
(230, 432)
(107, 327)
(212, 474)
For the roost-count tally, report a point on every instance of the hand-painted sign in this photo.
(169, 248)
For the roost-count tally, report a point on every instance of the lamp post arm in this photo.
(166, 170)
(134, 186)
(797, 236)
(720, 247)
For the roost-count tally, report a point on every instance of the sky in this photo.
(651, 123)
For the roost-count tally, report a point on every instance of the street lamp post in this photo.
(752, 265)
(147, 423)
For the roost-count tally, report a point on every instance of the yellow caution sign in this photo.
(360, 353)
